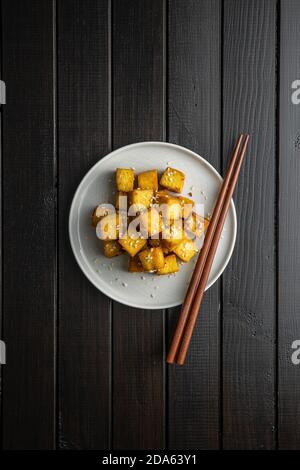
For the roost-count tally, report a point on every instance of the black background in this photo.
(86, 77)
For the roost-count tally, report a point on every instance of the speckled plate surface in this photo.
(142, 290)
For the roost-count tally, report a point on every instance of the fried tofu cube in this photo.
(172, 235)
(150, 222)
(156, 242)
(111, 248)
(170, 265)
(173, 210)
(172, 179)
(98, 213)
(141, 199)
(195, 225)
(135, 265)
(132, 245)
(170, 206)
(148, 180)
(186, 205)
(185, 250)
(152, 259)
(108, 228)
(124, 179)
(120, 201)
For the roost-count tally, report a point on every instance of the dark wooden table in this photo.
(86, 77)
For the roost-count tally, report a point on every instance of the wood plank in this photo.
(289, 229)
(29, 229)
(138, 115)
(83, 137)
(249, 296)
(194, 121)
(1, 239)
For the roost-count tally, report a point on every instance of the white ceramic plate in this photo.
(110, 276)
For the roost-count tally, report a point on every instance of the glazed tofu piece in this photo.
(196, 225)
(152, 259)
(148, 180)
(172, 179)
(141, 199)
(156, 242)
(135, 265)
(170, 206)
(111, 248)
(109, 228)
(172, 235)
(170, 266)
(186, 205)
(120, 201)
(185, 250)
(124, 179)
(151, 222)
(132, 245)
(98, 213)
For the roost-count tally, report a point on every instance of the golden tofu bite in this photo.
(98, 213)
(111, 248)
(172, 179)
(185, 250)
(148, 180)
(173, 234)
(170, 206)
(170, 266)
(108, 227)
(135, 265)
(195, 225)
(157, 242)
(140, 199)
(124, 179)
(152, 259)
(150, 222)
(121, 200)
(186, 205)
(132, 245)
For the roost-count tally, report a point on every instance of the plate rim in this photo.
(108, 157)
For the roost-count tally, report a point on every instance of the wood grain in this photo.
(138, 115)
(29, 230)
(289, 229)
(1, 242)
(249, 296)
(83, 138)
(194, 109)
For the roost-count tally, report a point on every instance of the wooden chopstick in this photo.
(201, 259)
(194, 311)
(199, 268)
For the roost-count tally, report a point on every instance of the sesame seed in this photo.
(124, 284)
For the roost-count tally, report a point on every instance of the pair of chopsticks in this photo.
(194, 295)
